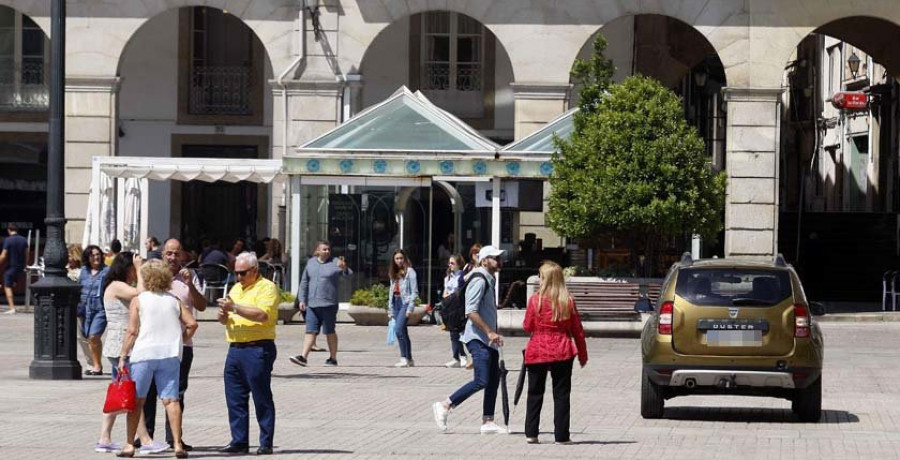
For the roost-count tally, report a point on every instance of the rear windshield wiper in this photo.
(738, 301)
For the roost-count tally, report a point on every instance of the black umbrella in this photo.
(503, 391)
(520, 382)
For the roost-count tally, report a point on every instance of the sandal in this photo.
(93, 372)
(123, 454)
(181, 454)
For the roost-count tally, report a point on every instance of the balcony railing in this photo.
(22, 87)
(220, 90)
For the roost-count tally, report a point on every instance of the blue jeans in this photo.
(487, 377)
(456, 346)
(399, 312)
(248, 369)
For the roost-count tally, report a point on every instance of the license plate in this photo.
(717, 338)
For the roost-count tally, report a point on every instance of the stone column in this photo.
(91, 130)
(537, 104)
(752, 157)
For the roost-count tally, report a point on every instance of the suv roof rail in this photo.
(686, 259)
(779, 260)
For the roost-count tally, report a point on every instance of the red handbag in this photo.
(120, 395)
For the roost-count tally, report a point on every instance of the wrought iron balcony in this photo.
(22, 87)
(220, 90)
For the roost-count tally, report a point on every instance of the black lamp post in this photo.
(54, 313)
(853, 63)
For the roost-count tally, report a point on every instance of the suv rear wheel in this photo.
(807, 402)
(652, 401)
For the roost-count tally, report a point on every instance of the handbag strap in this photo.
(124, 375)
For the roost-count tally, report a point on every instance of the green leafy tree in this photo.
(632, 165)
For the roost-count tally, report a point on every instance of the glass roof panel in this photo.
(541, 141)
(402, 123)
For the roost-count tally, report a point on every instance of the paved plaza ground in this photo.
(367, 409)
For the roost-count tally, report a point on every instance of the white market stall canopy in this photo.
(124, 181)
(408, 136)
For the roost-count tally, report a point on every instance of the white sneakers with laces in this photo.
(405, 363)
(453, 364)
(493, 428)
(440, 415)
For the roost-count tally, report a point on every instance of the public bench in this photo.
(610, 301)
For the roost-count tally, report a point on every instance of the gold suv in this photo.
(731, 326)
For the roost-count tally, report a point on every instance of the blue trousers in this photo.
(249, 370)
(456, 346)
(487, 377)
(399, 312)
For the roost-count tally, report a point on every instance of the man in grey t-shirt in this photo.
(318, 297)
(482, 340)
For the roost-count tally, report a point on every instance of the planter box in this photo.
(369, 316)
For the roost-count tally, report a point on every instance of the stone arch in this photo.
(681, 49)
(272, 22)
(386, 60)
(39, 12)
(877, 36)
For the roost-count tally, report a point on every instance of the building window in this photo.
(452, 47)
(24, 61)
(452, 58)
(221, 73)
(221, 69)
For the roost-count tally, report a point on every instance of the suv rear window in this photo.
(733, 286)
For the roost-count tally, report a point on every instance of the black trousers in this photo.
(187, 358)
(561, 372)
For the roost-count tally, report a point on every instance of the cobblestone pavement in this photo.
(367, 409)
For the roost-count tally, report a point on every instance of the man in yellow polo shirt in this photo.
(249, 314)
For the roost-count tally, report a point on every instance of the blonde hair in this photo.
(157, 276)
(553, 288)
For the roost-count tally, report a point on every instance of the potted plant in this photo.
(369, 307)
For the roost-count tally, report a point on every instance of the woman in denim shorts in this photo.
(158, 325)
(90, 306)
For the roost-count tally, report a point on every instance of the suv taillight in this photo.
(801, 321)
(665, 318)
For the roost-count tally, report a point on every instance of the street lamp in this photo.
(853, 63)
(54, 313)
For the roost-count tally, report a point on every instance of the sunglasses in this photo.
(243, 272)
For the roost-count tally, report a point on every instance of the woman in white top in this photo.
(452, 283)
(118, 289)
(153, 342)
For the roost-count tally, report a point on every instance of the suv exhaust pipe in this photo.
(690, 383)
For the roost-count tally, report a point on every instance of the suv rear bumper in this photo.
(729, 379)
(725, 378)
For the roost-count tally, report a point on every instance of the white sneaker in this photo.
(493, 428)
(453, 364)
(462, 361)
(9, 312)
(440, 415)
(403, 363)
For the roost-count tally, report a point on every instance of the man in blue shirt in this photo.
(318, 297)
(482, 340)
(15, 248)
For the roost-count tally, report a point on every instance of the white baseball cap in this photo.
(489, 251)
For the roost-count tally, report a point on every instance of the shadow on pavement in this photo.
(744, 415)
(213, 452)
(341, 375)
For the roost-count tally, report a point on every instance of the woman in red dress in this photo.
(553, 322)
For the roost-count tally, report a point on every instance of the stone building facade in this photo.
(133, 68)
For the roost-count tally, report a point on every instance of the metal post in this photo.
(54, 314)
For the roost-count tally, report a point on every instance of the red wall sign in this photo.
(850, 100)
